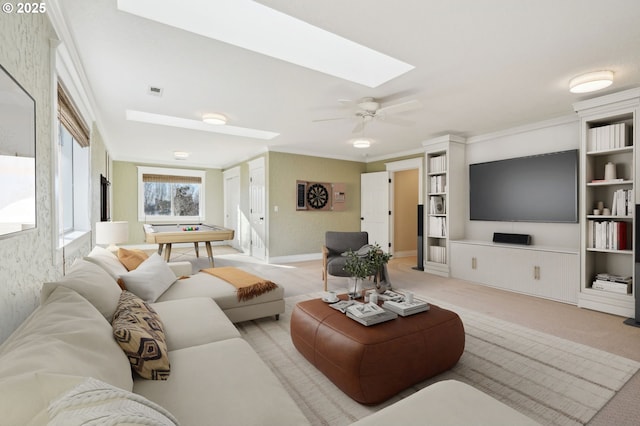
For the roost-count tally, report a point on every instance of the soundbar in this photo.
(524, 239)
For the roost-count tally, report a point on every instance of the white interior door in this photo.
(257, 201)
(374, 207)
(232, 205)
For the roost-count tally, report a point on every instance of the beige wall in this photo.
(29, 258)
(293, 232)
(124, 206)
(405, 200)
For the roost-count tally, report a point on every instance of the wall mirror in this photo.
(17, 157)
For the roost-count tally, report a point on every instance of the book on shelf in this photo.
(437, 226)
(613, 283)
(612, 136)
(436, 204)
(404, 308)
(607, 180)
(438, 183)
(438, 164)
(611, 286)
(604, 276)
(622, 204)
(438, 254)
(607, 235)
(373, 319)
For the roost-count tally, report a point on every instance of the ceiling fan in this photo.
(368, 109)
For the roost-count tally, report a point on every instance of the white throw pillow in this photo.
(91, 282)
(107, 261)
(149, 280)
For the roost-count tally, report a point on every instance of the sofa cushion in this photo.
(223, 293)
(91, 282)
(149, 280)
(193, 321)
(95, 402)
(63, 340)
(131, 258)
(223, 383)
(107, 261)
(139, 331)
(447, 402)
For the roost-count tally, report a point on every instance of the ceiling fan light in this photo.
(590, 82)
(215, 119)
(361, 143)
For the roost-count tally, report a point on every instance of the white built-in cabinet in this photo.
(444, 201)
(608, 128)
(538, 271)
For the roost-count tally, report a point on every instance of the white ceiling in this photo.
(480, 66)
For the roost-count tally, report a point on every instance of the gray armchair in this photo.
(337, 243)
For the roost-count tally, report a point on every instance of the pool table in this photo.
(166, 234)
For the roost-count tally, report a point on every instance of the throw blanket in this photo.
(248, 285)
(93, 402)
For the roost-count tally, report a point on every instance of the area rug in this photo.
(552, 380)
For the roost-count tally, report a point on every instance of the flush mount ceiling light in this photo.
(184, 123)
(215, 119)
(180, 155)
(590, 82)
(361, 143)
(256, 27)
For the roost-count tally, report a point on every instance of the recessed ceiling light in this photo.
(180, 155)
(215, 119)
(361, 143)
(590, 82)
(256, 27)
(167, 120)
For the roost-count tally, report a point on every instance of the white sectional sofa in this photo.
(63, 366)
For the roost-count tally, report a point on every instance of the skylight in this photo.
(258, 28)
(167, 120)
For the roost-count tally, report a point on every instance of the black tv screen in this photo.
(539, 188)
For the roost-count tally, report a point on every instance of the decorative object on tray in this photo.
(391, 295)
(343, 305)
(368, 261)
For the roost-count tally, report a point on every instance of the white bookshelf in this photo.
(608, 132)
(444, 201)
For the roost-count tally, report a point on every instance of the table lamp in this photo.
(112, 233)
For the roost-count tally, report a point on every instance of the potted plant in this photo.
(367, 262)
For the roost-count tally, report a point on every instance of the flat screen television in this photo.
(538, 188)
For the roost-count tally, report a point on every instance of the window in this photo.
(72, 171)
(170, 195)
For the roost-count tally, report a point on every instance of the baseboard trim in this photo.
(295, 258)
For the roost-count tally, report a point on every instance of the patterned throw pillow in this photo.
(131, 258)
(139, 331)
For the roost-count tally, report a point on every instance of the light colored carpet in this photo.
(550, 379)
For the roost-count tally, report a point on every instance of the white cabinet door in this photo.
(538, 272)
(474, 263)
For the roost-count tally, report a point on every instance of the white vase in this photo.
(355, 287)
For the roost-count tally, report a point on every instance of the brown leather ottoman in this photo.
(371, 364)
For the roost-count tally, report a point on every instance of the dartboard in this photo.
(317, 196)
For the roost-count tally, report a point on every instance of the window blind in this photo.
(170, 178)
(70, 119)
